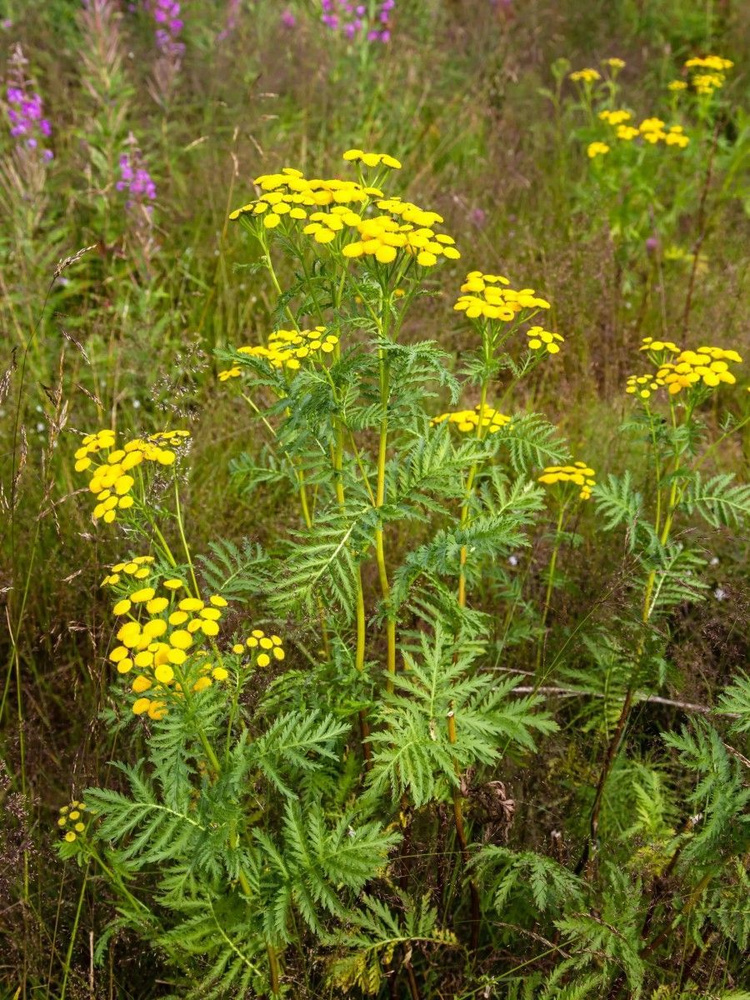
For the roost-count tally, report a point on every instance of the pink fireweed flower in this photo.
(25, 110)
(355, 20)
(169, 25)
(135, 179)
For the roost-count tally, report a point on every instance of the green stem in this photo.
(273, 964)
(379, 501)
(74, 934)
(181, 528)
(163, 542)
(550, 582)
(467, 501)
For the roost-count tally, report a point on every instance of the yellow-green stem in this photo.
(379, 501)
(183, 539)
(467, 501)
(550, 582)
(273, 964)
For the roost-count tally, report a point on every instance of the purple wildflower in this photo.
(231, 21)
(169, 25)
(25, 109)
(288, 19)
(135, 179)
(354, 20)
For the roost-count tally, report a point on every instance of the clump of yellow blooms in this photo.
(287, 348)
(169, 639)
(372, 159)
(643, 385)
(587, 75)
(651, 130)
(707, 73)
(487, 295)
(137, 567)
(265, 648)
(339, 216)
(468, 421)
(540, 338)
(111, 481)
(708, 367)
(579, 474)
(160, 633)
(595, 149)
(615, 117)
(654, 130)
(657, 346)
(677, 85)
(72, 821)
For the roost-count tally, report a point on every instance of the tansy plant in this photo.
(299, 707)
(669, 391)
(301, 721)
(651, 171)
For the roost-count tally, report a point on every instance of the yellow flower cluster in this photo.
(411, 230)
(540, 338)
(585, 75)
(468, 420)
(643, 385)
(287, 348)
(264, 647)
(676, 85)
(707, 367)
(654, 130)
(160, 634)
(595, 149)
(372, 159)
(170, 640)
(657, 346)
(72, 820)
(615, 117)
(403, 226)
(483, 295)
(651, 130)
(614, 62)
(579, 474)
(708, 73)
(138, 567)
(111, 481)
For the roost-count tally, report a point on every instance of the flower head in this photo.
(337, 212)
(469, 421)
(488, 296)
(595, 149)
(287, 349)
(585, 76)
(680, 370)
(110, 480)
(578, 474)
(707, 73)
(72, 821)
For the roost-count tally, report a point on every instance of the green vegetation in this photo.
(375, 500)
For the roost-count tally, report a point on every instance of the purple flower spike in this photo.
(166, 14)
(355, 20)
(135, 179)
(25, 111)
(288, 19)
